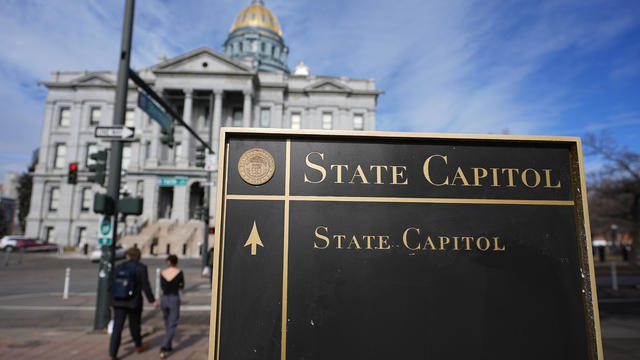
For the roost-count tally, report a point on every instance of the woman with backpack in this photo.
(172, 283)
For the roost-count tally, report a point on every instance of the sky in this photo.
(560, 68)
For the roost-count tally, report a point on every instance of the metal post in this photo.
(157, 293)
(207, 195)
(102, 315)
(614, 276)
(67, 278)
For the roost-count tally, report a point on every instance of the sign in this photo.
(211, 162)
(393, 246)
(154, 111)
(114, 132)
(105, 231)
(171, 181)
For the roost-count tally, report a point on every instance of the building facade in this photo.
(249, 85)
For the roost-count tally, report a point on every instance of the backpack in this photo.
(124, 281)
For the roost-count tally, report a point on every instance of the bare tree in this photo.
(614, 190)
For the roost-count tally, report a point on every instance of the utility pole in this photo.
(207, 194)
(102, 314)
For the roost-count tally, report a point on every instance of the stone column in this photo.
(45, 138)
(277, 117)
(246, 109)
(183, 159)
(217, 118)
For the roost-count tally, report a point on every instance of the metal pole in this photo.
(102, 315)
(614, 276)
(67, 278)
(157, 283)
(207, 195)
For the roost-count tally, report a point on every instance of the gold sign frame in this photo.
(592, 317)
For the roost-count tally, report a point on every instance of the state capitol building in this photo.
(249, 85)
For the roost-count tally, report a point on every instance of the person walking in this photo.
(130, 279)
(172, 283)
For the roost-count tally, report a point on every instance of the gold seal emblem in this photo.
(256, 166)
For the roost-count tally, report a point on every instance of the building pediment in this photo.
(328, 86)
(94, 79)
(202, 60)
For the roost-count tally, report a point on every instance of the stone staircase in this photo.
(165, 236)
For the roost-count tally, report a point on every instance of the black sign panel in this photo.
(395, 246)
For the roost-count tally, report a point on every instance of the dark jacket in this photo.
(141, 284)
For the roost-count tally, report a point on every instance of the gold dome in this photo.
(257, 15)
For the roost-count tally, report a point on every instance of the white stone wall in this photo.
(282, 94)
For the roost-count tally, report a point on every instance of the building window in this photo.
(206, 117)
(65, 117)
(147, 149)
(130, 118)
(139, 188)
(265, 117)
(82, 236)
(263, 47)
(327, 121)
(54, 198)
(50, 234)
(126, 156)
(296, 120)
(85, 203)
(92, 148)
(59, 156)
(240, 46)
(358, 122)
(237, 117)
(94, 116)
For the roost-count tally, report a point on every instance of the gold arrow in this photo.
(254, 240)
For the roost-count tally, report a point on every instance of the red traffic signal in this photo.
(72, 177)
(212, 230)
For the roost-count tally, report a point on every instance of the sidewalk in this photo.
(189, 344)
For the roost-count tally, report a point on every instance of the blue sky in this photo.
(561, 67)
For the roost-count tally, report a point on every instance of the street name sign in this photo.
(352, 245)
(105, 231)
(171, 181)
(154, 111)
(120, 132)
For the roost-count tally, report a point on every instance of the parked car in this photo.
(121, 253)
(35, 245)
(8, 243)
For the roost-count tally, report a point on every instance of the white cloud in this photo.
(450, 66)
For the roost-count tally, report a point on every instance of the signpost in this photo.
(105, 231)
(402, 246)
(154, 111)
(120, 132)
(171, 181)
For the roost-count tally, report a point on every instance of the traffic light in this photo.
(130, 205)
(72, 177)
(200, 155)
(103, 204)
(167, 137)
(99, 168)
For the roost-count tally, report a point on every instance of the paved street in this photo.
(35, 319)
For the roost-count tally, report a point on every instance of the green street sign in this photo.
(154, 111)
(105, 231)
(171, 181)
